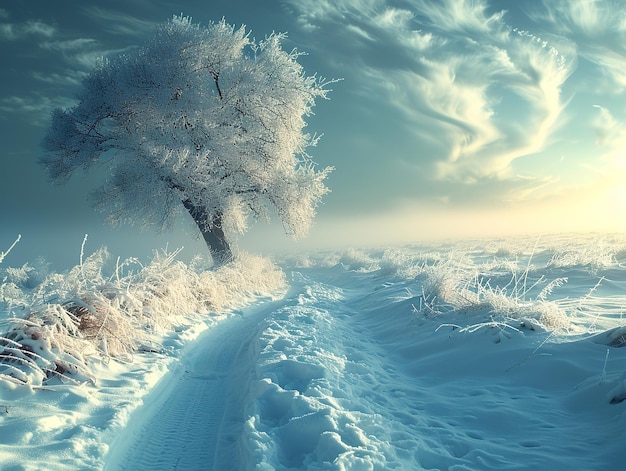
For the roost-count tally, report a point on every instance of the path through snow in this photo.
(341, 374)
(193, 415)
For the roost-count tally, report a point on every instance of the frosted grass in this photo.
(477, 355)
(56, 327)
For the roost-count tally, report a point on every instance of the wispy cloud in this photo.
(609, 131)
(459, 16)
(16, 31)
(36, 108)
(120, 23)
(62, 63)
(455, 69)
(71, 77)
(611, 139)
(69, 44)
(80, 52)
(599, 29)
(593, 18)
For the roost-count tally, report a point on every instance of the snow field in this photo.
(410, 358)
(351, 375)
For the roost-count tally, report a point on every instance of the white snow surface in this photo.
(481, 356)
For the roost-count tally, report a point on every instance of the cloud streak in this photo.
(17, 31)
(454, 69)
(611, 139)
(36, 108)
(597, 27)
(120, 23)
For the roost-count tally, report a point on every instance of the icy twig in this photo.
(82, 254)
(454, 327)
(586, 297)
(528, 268)
(4, 254)
(606, 359)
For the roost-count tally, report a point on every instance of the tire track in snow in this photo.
(192, 417)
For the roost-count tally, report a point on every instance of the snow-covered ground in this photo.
(476, 356)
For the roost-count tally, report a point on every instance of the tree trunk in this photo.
(212, 233)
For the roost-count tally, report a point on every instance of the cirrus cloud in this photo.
(455, 69)
(599, 29)
(17, 31)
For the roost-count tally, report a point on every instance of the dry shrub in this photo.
(92, 316)
(45, 345)
(447, 289)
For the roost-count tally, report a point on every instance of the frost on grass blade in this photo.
(448, 289)
(4, 254)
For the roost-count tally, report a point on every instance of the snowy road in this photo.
(341, 374)
(190, 419)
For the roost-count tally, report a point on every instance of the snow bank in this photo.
(89, 315)
(419, 359)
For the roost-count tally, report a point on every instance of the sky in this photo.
(452, 119)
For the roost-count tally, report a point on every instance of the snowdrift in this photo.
(484, 355)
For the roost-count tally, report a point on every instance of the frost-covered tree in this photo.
(201, 118)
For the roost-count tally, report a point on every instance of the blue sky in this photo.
(453, 119)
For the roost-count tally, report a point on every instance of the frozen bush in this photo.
(87, 315)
